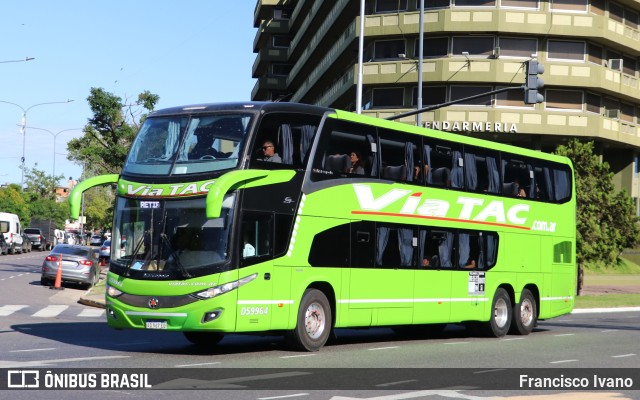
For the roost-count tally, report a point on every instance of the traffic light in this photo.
(533, 83)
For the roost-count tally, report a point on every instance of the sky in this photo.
(186, 52)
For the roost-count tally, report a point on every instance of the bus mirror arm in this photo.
(75, 198)
(241, 179)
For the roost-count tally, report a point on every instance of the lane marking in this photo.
(565, 334)
(624, 355)
(91, 312)
(396, 383)
(384, 348)
(50, 311)
(8, 310)
(562, 361)
(283, 397)
(299, 355)
(29, 350)
(195, 365)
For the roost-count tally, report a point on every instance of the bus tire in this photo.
(524, 314)
(204, 339)
(314, 321)
(501, 312)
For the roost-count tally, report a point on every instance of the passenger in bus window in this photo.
(471, 264)
(202, 148)
(357, 166)
(269, 152)
(520, 192)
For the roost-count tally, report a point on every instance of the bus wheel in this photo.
(204, 339)
(314, 322)
(500, 321)
(524, 314)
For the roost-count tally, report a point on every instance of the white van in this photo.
(11, 229)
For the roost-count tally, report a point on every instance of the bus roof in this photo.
(249, 106)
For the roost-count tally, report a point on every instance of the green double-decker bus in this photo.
(296, 219)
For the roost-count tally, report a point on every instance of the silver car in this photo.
(105, 250)
(79, 264)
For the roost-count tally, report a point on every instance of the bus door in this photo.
(254, 306)
(382, 275)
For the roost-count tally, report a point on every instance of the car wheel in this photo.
(45, 282)
(501, 314)
(524, 314)
(314, 322)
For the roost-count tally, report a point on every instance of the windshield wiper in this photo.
(183, 270)
(135, 253)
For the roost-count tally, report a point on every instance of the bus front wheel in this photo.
(204, 339)
(524, 314)
(501, 312)
(313, 324)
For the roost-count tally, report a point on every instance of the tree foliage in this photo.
(606, 220)
(39, 185)
(13, 201)
(109, 133)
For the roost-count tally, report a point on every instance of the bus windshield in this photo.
(163, 239)
(187, 144)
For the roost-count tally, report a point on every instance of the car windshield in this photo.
(183, 145)
(70, 250)
(169, 239)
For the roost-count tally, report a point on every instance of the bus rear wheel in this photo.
(204, 339)
(501, 311)
(314, 321)
(524, 314)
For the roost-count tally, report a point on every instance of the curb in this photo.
(93, 303)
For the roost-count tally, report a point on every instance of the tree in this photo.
(606, 221)
(109, 133)
(39, 185)
(13, 201)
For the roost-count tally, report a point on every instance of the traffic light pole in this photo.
(448, 103)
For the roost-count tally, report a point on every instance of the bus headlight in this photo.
(225, 288)
(113, 292)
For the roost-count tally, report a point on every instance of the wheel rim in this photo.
(314, 320)
(501, 313)
(526, 312)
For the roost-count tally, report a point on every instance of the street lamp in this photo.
(21, 60)
(23, 124)
(55, 136)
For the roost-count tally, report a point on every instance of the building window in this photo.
(566, 51)
(519, 3)
(629, 65)
(626, 112)
(616, 12)
(474, 45)
(434, 4)
(281, 13)
(388, 98)
(280, 69)
(511, 98)
(474, 3)
(593, 103)
(516, 47)
(388, 49)
(597, 7)
(595, 54)
(631, 19)
(431, 95)
(385, 6)
(432, 47)
(611, 108)
(281, 41)
(461, 92)
(570, 100)
(569, 5)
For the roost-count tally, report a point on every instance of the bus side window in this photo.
(256, 237)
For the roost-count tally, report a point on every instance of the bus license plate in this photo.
(156, 324)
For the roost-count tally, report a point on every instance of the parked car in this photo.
(96, 240)
(26, 243)
(105, 250)
(4, 247)
(79, 264)
(38, 240)
(11, 228)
